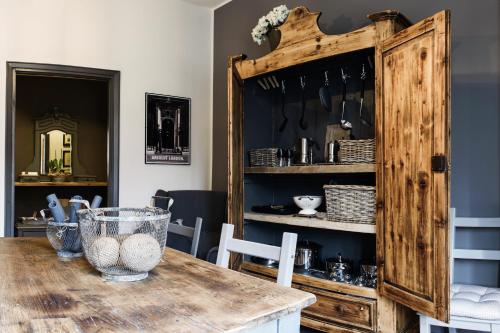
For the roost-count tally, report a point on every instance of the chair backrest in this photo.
(193, 233)
(285, 254)
(472, 222)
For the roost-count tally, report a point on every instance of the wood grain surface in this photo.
(235, 161)
(412, 199)
(61, 184)
(302, 41)
(41, 293)
(314, 169)
(311, 222)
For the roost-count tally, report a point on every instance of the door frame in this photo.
(112, 77)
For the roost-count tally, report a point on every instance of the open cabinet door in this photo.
(413, 105)
(235, 153)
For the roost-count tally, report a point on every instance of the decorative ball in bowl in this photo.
(308, 203)
(124, 244)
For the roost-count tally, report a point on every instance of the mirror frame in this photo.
(56, 120)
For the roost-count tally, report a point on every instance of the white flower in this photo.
(274, 18)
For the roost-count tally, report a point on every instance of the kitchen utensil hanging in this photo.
(302, 122)
(285, 118)
(344, 123)
(363, 120)
(269, 82)
(325, 95)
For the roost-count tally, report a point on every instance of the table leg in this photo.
(290, 323)
(287, 324)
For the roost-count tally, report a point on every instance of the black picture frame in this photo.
(66, 140)
(168, 129)
(65, 155)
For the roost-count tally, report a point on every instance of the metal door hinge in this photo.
(439, 163)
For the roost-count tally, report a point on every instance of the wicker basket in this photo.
(350, 203)
(264, 157)
(356, 151)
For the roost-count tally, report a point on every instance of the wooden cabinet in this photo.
(411, 104)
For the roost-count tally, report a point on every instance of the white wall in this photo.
(159, 46)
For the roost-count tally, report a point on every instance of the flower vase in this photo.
(274, 37)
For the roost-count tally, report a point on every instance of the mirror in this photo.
(55, 145)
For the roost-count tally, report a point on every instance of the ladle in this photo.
(364, 121)
(344, 123)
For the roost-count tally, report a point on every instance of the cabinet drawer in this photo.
(342, 309)
(334, 312)
(329, 327)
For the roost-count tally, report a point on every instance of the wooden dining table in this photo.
(41, 293)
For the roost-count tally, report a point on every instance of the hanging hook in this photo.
(344, 75)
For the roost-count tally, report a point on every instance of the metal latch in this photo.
(439, 163)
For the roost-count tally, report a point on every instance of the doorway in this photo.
(89, 154)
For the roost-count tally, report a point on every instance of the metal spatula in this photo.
(302, 121)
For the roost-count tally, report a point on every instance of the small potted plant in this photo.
(56, 171)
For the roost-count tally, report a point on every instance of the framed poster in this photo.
(168, 127)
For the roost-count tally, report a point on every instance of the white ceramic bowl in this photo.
(308, 203)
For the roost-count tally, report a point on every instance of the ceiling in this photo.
(208, 3)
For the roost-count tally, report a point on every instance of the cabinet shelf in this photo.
(314, 169)
(312, 281)
(310, 222)
(61, 184)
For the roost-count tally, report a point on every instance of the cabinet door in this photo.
(235, 153)
(413, 101)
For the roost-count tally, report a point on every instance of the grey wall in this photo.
(475, 94)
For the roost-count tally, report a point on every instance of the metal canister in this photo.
(302, 151)
(331, 152)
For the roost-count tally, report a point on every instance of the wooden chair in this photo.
(285, 254)
(462, 322)
(192, 233)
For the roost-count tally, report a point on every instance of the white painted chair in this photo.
(470, 305)
(285, 254)
(177, 228)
